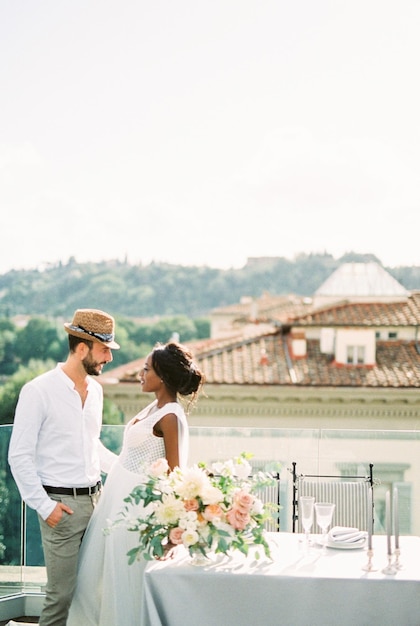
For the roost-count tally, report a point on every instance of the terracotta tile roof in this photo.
(262, 356)
(397, 365)
(265, 362)
(364, 314)
(255, 361)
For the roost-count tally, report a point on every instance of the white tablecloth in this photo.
(326, 588)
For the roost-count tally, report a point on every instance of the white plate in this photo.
(347, 545)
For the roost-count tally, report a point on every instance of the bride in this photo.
(108, 591)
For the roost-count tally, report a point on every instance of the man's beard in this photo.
(92, 368)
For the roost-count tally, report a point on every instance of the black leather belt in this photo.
(74, 491)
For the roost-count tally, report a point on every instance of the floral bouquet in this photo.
(206, 509)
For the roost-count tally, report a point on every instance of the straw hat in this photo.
(93, 325)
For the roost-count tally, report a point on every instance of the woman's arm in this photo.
(167, 427)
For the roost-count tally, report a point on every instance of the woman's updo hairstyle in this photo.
(174, 364)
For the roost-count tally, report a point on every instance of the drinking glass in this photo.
(324, 514)
(306, 513)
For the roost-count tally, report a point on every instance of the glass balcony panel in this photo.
(393, 453)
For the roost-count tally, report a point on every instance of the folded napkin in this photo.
(345, 534)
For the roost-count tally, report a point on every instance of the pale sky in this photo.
(205, 132)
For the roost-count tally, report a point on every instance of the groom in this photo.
(56, 456)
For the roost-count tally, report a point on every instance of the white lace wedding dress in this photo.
(108, 591)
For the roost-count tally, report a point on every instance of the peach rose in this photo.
(175, 535)
(212, 511)
(244, 501)
(237, 519)
(191, 505)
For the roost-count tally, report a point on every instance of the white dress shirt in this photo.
(55, 439)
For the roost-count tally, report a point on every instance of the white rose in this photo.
(211, 495)
(243, 469)
(217, 468)
(189, 537)
(164, 486)
(223, 469)
(188, 519)
(189, 527)
(257, 507)
(159, 468)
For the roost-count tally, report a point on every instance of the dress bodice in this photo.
(140, 445)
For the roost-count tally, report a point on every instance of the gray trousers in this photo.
(61, 546)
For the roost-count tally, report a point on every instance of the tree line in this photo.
(161, 289)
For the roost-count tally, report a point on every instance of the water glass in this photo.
(324, 514)
(306, 515)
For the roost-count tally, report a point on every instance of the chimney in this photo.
(298, 343)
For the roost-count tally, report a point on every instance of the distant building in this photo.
(360, 282)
